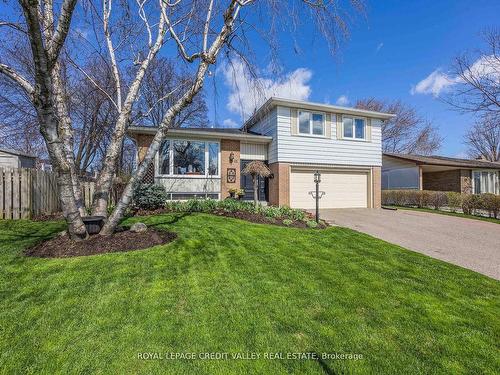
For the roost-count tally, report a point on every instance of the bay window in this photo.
(485, 182)
(164, 158)
(354, 127)
(311, 123)
(213, 159)
(188, 158)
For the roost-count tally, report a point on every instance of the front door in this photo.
(247, 184)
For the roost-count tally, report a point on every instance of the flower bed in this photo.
(284, 216)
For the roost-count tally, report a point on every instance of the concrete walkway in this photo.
(472, 244)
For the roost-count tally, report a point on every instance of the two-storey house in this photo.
(294, 138)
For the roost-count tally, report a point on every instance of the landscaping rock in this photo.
(138, 228)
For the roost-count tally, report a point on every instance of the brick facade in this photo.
(279, 185)
(466, 181)
(458, 180)
(227, 147)
(377, 186)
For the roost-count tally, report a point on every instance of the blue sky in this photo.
(390, 50)
(397, 45)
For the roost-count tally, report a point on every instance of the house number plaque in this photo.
(231, 175)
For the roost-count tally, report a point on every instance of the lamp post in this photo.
(317, 180)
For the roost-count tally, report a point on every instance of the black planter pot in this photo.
(93, 223)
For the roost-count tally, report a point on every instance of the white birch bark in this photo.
(206, 59)
(44, 100)
(105, 178)
(64, 120)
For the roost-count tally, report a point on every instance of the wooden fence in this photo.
(27, 193)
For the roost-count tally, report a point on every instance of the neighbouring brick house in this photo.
(294, 138)
(403, 171)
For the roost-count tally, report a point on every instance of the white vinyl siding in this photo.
(253, 151)
(320, 150)
(268, 126)
(343, 189)
(9, 161)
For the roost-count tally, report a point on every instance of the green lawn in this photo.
(457, 214)
(230, 286)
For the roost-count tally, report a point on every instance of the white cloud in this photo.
(248, 92)
(379, 47)
(437, 81)
(433, 84)
(229, 123)
(342, 100)
(486, 66)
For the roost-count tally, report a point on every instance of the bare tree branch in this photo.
(18, 78)
(408, 132)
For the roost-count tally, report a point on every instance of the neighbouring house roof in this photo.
(221, 133)
(16, 152)
(275, 101)
(445, 161)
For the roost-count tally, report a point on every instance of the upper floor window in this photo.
(311, 123)
(354, 127)
(188, 158)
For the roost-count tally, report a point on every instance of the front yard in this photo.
(228, 286)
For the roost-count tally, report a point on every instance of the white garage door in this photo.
(342, 189)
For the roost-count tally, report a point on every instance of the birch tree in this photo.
(196, 30)
(47, 37)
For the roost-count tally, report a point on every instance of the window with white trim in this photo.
(311, 123)
(353, 127)
(188, 158)
(485, 182)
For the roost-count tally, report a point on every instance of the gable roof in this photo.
(16, 152)
(275, 101)
(445, 161)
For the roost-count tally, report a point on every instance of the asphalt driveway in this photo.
(468, 243)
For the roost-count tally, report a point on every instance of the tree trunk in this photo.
(57, 152)
(255, 180)
(110, 163)
(45, 103)
(153, 148)
(66, 132)
(209, 58)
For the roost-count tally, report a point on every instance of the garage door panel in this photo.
(342, 189)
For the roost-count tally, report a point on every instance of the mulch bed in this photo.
(62, 246)
(259, 219)
(243, 215)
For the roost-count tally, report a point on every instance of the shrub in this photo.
(287, 222)
(311, 224)
(491, 203)
(454, 200)
(233, 205)
(149, 197)
(438, 199)
(470, 203)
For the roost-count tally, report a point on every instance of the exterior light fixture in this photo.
(317, 177)
(231, 157)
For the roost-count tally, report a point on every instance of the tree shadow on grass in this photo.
(26, 237)
(324, 366)
(151, 221)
